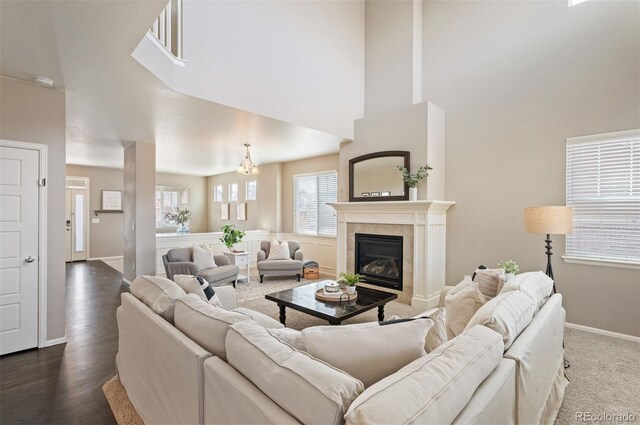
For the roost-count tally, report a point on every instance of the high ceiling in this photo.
(86, 46)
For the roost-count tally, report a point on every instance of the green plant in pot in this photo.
(181, 218)
(350, 280)
(510, 268)
(413, 179)
(231, 236)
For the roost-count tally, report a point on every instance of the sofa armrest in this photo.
(298, 255)
(181, 267)
(221, 260)
(262, 255)
(443, 293)
(228, 296)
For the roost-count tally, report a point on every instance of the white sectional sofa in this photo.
(170, 379)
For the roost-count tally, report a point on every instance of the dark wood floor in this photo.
(63, 384)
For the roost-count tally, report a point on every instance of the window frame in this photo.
(246, 190)
(215, 192)
(576, 258)
(171, 188)
(236, 192)
(295, 196)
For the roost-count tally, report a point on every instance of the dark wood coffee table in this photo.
(303, 298)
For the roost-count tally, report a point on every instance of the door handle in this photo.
(29, 259)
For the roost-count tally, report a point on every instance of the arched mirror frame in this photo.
(383, 154)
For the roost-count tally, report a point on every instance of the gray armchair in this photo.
(291, 266)
(180, 261)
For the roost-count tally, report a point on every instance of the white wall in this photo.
(299, 62)
(29, 113)
(516, 79)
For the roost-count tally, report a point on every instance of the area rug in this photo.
(123, 410)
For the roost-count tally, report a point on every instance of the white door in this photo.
(18, 249)
(76, 224)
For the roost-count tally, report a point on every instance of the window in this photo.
(233, 192)
(168, 200)
(217, 193)
(312, 192)
(251, 190)
(603, 187)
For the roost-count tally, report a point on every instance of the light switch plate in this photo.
(95, 221)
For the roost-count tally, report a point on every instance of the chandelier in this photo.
(247, 166)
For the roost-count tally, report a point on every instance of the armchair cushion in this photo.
(203, 257)
(220, 274)
(180, 255)
(283, 265)
(221, 260)
(279, 251)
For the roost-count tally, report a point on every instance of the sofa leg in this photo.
(261, 278)
(298, 275)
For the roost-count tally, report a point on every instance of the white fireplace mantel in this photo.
(429, 221)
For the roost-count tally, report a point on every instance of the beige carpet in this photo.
(604, 373)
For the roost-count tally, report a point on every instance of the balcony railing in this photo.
(167, 29)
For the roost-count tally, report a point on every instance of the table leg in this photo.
(381, 313)
(283, 314)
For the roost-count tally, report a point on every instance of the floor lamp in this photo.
(549, 221)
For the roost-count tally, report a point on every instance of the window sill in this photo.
(599, 262)
(313, 236)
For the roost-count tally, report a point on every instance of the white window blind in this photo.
(603, 187)
(233, 192)
(168, 200)
(217, 193)
(312, 193)
(251, 190)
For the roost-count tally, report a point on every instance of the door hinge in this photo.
(42, 182)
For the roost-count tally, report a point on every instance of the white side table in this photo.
(240, 259)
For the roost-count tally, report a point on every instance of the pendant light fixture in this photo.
(247, 166)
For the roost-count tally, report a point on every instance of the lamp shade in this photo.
(548, 220)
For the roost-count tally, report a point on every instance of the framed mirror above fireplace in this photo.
(375, 177)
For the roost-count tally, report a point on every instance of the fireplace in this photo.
(378, 259)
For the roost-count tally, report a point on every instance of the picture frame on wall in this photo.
(224, 211)
(111, 200)
(241, 211)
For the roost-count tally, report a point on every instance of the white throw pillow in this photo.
(206, 324)
(508, 314)
(489, 281)
(158, 293)
(290, 337)
(368, 353)
(203, 257)
(198, 286)
(461, 303)
(433, 389)
(437, 335)
(310, 390)
(537, 285)
(279, 250)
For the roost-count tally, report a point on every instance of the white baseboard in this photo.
(117, 257)
(56, 341)
(602, 332)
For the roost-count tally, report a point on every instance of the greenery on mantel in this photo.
(413, 179)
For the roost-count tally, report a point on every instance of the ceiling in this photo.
(111, 100)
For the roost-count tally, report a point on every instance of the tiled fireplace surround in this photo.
(422, 225)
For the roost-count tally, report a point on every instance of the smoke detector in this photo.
(44, 82)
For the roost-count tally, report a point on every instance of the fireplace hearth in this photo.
(378, 259)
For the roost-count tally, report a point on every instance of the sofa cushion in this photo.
(205, 324)
(199, 286)
(437, 335)
(261, 319)
(280, 265)
(489, 281)
(433, 389)
(537, 285)
(220, 274)
(368, 353)
(461, 303)
(279, 250)
(203, 257)
(508, 314)
(158, 293)
(289, 336)
(180, 255)
(308, 389)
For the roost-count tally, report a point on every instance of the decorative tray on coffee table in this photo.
(344, 297)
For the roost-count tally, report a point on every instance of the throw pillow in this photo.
(437, 335)
(461, 303)
(203, 257)
(290, 337)
(158, 293)
(508, 314)
(537, 285)
(310, 390)
(199, 286)
(489, 281)
(368, 353)
(279, 250)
